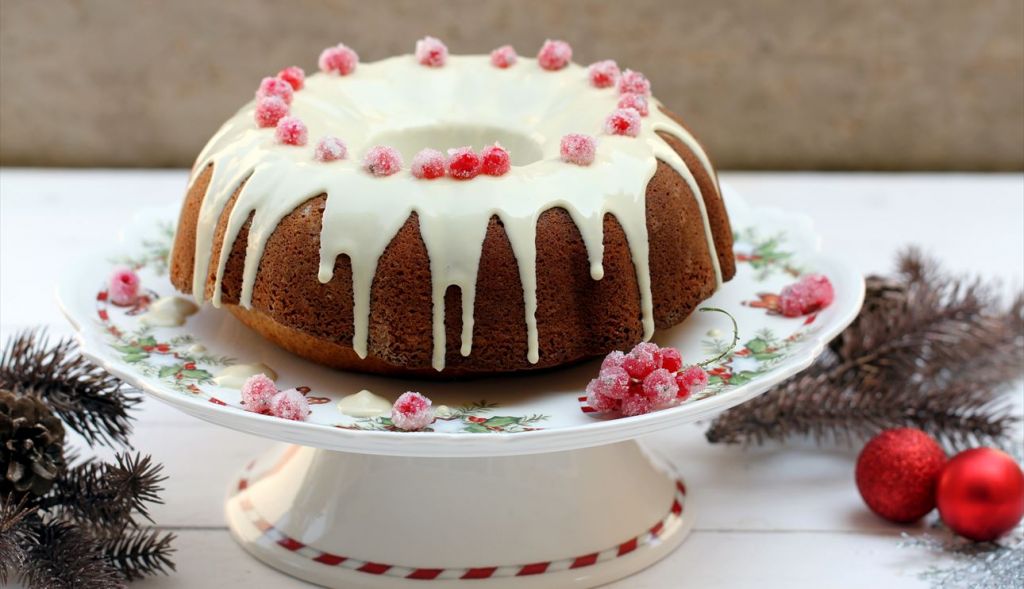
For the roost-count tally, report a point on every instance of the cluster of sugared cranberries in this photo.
(291, 131)
(382, 160)
(428, 164)
(123, 288)
(631, 82)
(463, 163)
(578, 149)
(504, 57)
(274, 95)
(294, 75)
(637, 102)
(649, 377)
(431, 52)
(412, 411)
(554, 55)
(275, 87)
(339, 59)
(495, 160)
(812, 293)
(330, 149)
(603, 74)
(623, 121)
(260, 395)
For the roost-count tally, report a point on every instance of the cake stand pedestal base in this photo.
(577, 518)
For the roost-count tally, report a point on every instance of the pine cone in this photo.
(31, 445)
(883, 296)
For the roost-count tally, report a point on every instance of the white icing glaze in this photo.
(234, 376)
(397, 102)
(168, 312)
(364, 404)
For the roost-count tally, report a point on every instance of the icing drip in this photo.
(234, 376)
(364, 404)
(168, 312)
(529, 110)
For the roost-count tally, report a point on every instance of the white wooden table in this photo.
(775, 516)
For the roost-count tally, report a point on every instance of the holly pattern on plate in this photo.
(765, 254)
(747, 361)
(466, 419)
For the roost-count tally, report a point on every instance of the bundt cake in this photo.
(302, 220)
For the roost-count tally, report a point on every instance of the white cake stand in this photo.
(516, 486)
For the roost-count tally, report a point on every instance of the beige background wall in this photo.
(850, 84)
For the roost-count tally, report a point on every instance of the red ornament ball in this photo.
(981, 494)
(897, 472)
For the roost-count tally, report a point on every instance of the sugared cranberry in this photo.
(691, 381)
(554, 55)
(382, 160)
(428, 164)
(275, 87)
(661, 386)
(269, 111)
(635, 101)
(463, 163)
(811, 293)
(330, 149)
(637, 405)
(639, 363)
(291, 131)
(123, 288)
(412, 411)
(578, 149)
(603, 74)
(504, 57)
(634, 82)
(339, 59)
(431, 52)
(294, 75)
(257, 391)
(495, 161)
(671, 359)
(289, 404)
(624, 121)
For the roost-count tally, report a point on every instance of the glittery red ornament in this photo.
(981, 494)
(897, 472)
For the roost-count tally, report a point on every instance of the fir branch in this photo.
(107, 495)
(140, 552)
(63, 556)
(13, 535)
(88, 399)
(928, 350)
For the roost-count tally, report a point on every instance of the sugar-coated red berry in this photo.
(637, 405)
(601, 403)
(578, 149)
(612, 382)
(504, 57)
(634, 82)
(495, 161)
(671, 359)
(603, 74)
(463, 163)
(661, 386)
(691, 380)
(635, 101)
(639, 363)
(275, 87)
(291, 131)
(431, 52)
(382, 160)
(294, 75)
(810, 294)
(330, 149)
(289, 404)
(257, 391)
(554, 55)
(339, 59)
(613, 360)
(412, 411)
(123, 288)
(649, 348)
(624, 121)
(269, 111)
(428, 164)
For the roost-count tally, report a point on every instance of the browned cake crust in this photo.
(577, 317)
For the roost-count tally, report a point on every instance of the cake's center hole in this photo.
(521, 147)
